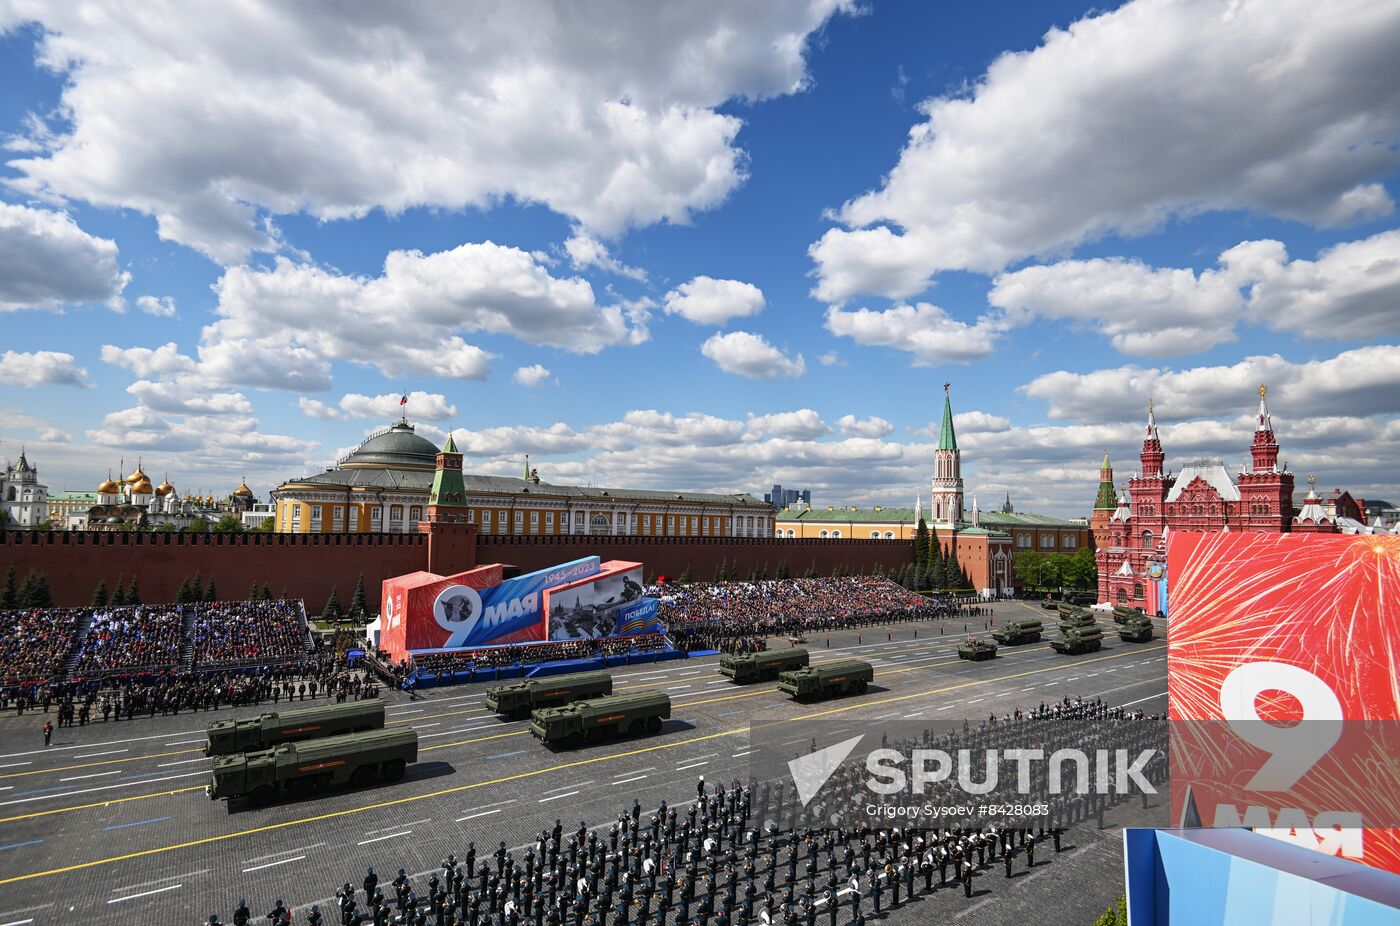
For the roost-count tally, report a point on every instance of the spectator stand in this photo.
(437, 668)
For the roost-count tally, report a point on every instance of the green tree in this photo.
(1056, 569)
(133, 592)
(99, 595)
(9, 595)
(1028, 566)
(811, 572)
(1116, 915)
(197, 526)
(332, 609)
(228, 524)
(267, 592)
(197, 588)
(166, 528)
(921, 547)
(118, 599)
(719, 571)
(211, 594)
(753, 573)
(685, 577)
(264, 526)
(783, 571)
(357, 600)
(184, 596)
(1083, 571)
(35, 592)
(764, 573)
(254, 593)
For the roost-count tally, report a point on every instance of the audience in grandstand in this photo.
(243, 632)
(120, 639)
(34, 643)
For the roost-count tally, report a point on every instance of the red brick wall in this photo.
(669, 556)
(308, 565)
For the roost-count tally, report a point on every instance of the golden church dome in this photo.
(108, 487)
(142, 488)
(243, 491)
(137, 476)
(165, 488)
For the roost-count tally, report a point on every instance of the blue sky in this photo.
(707, 247)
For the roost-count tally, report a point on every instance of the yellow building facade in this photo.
(383, 486)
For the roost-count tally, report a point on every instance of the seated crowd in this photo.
(125, 697)
(34, 643)
(716, 614)
(532, 653)
(241, 632)
(122, 639)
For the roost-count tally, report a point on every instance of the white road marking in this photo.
(681, 768)
(158, 890)
(18, 922)
(379, 838)
(263, 858)
(16, 764)
(295, 858)
(623, 781)
(187, 742)
(183, 762)
(556, 797)
(739, 754)
(1161, 694)
(572, 784)
(677, 687)
(93, 755)
(93, 775)
(124, 784)
(649, 768)
(473, 816)
(51, 749)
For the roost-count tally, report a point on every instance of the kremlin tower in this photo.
(946, 499)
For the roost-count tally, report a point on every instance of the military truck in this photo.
(1122, 614)
(518, 699)
(762, 666)
(1016, 633)
(300, 768)
(977, 650)
(1078, 640)
(1138, 631)
(632, 713)
(1051, 604)
(227, 737)
(839, 676)
(1078, 619)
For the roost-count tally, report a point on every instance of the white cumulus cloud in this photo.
(924, 330)
(874, 426)
(162, 306)
(1128, 118)
(533, 375)
(707, 301)
(48, 262)
(41, 368)
(745, 354)
(608, 114)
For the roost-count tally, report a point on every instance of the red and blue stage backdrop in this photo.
(479, 607)
(609, 604)
(1284, 687)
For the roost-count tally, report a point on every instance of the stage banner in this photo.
(610, 604)
(1284, 691)
(474, 608)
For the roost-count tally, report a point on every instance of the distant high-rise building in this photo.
(786, 498)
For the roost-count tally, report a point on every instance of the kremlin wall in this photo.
(308, 565)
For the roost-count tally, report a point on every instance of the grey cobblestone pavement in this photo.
(110, 824)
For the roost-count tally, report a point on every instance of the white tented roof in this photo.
(1215, 476)
(1124, 570)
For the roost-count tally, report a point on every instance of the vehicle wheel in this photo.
(635, 727)
(362, 776)
(653, 724)
(860, 687)
(262, 794)
(300, 788)
(393, 770)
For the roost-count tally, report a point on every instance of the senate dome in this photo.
(397, 447)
